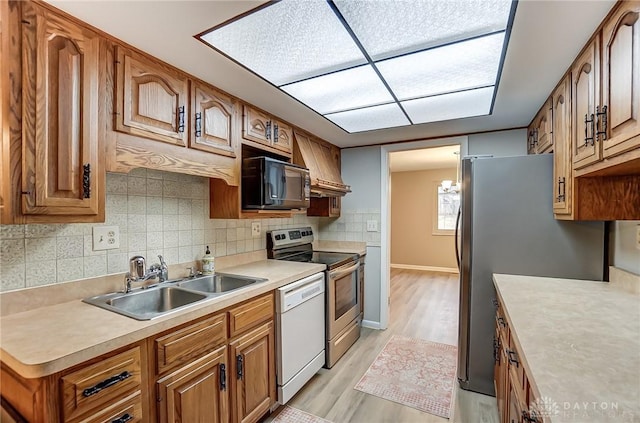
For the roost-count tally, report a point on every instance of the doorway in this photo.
(386, 218)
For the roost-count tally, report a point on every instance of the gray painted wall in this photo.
(361, 168)
(625, 254)
(503, 143)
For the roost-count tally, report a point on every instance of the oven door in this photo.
(343, 297)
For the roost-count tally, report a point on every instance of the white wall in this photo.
(624, 252)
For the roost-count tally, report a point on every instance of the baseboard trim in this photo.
(370, 324)
(428, 268)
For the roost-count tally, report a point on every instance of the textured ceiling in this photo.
(546, 36)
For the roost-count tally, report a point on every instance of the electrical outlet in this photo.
(255, 229)
(372, 226)
(106, 237)
(638, 237)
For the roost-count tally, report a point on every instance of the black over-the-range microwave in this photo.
(272, 184)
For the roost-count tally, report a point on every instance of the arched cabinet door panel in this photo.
(61, 168)
(585, 76)
(214, 118)
(151, 99)
(620, 125)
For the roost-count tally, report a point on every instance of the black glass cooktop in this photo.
(332, 260)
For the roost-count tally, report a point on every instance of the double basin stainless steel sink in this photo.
(167, 297)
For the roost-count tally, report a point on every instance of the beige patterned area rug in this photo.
(293, 415)
(413, 372)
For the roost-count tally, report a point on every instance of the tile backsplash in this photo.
(157, 213)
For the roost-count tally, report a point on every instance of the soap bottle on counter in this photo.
(208, 265)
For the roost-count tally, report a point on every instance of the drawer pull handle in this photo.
(513, 358)
(181, 119)
(125, 418)
(223, 377)
(198, 125)
(105, 384)
(239, 363)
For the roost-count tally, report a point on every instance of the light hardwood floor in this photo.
(423, 305)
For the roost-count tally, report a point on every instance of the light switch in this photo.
(106, 237)
(372, 226)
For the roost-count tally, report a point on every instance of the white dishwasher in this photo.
(300, 333)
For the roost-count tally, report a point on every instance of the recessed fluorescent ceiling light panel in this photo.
(374, 64)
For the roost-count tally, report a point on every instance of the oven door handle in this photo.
(340, 273)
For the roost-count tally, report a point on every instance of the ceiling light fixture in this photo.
(374, 64)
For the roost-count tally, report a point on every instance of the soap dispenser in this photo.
(208, 265)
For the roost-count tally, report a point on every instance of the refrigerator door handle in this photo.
(457, 239)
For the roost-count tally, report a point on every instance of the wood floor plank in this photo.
(423, 305)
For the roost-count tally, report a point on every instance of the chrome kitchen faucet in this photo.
(138, 272)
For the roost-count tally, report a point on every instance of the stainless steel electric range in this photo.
(342, 285)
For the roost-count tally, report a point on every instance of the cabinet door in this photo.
(151, 99)
(196, 392)
(562, 181)
(257, 126)
(282, 136)
(514, 414)
(214, 117)
(585, 81)
(544, 128)
(253, 384)
(621, 80)
(60, 119)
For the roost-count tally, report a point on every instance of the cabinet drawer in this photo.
(94, 386)
(250, 314)
(516, 367)
(128, 410)
(188, 343)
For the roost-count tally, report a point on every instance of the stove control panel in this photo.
(287, 237)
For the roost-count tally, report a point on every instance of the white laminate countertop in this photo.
(581, 345)
(49, 339)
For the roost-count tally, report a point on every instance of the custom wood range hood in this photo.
(323, 161)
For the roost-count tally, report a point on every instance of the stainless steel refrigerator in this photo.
(506, 225)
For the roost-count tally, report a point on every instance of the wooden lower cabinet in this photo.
(253, 384)
(514, 391)
(191, 373)
(196, 392)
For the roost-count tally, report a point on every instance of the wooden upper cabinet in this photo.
(562, 180)
(263, 129)
(620, 125)
(257, 126)
(585, 77)
(151, 99)
(544, 128)
(60, 133)
(282, 136)
(213, 116)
